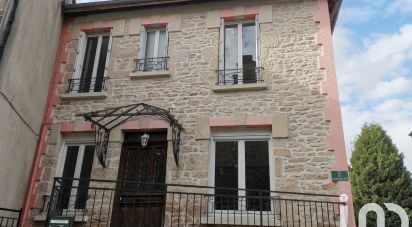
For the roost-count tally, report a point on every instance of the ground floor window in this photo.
(76, 162)
(242, 163)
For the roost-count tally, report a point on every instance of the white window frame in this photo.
(241, 137)
(80, 155)
(143, 41)
(239, 43)
(81, 50)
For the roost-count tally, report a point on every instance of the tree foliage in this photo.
(378, 174)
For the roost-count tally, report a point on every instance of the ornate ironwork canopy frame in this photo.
(105, 120)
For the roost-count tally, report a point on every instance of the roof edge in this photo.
(123, 5)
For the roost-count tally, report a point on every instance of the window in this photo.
(239, 52)
(76, 162)
(91, 66)
(242, 162)
(153, 50)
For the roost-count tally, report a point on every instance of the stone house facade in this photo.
(284, 95)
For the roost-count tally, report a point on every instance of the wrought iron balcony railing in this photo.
(104, 202)
(73, 2)
(239, 76)
(151, 64)
(87, 85)
(9, 217)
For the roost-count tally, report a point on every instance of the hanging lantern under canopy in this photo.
(144, 139)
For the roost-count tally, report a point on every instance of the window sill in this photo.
(236, 219)
(150, 74)
(239, 87)
(43, 216)
(84, 96)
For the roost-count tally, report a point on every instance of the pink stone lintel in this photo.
(153, 124)
(104, 26)
(262, 121)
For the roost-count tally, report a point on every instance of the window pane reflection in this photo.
(249, 53)
(257, 175)
(226, 175)
(150, 44)
(162, 44)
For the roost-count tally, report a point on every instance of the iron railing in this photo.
(74, 2)
(105, 202)
(239, 76)
(87, 85)
(9, 217)
(151, 64)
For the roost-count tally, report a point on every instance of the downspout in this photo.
(6, 23)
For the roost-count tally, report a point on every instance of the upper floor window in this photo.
(239, 52)
(153, 49)
(91, 64)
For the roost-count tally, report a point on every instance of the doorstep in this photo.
(77, 218)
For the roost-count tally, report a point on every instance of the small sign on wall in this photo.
(60, 222)
(340, 176)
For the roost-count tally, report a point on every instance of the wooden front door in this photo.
(139, 200)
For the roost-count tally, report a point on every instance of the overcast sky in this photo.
(373, 51)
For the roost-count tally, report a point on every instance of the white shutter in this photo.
(221, 44)
(257, 25)
(166, 48)
(142, 51)
(109, 51)
(80, 55)
(167, 41)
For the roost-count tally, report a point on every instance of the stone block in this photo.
(169, 134)
(48, 174)
(144, 122)
(52, 150)
(202, 131)
(213, 19)
(239, 11)
(280, 126)
(283, 152)
(54, 134)
(175, 24)
(116, 135)
(240, 119)
(278, 167)
(287, 185)
(118, 28)
(78, 125)
(265, 14)
(134, 26)
(75, 30)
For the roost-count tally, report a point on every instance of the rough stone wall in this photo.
(289, 55)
